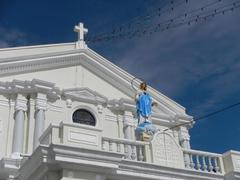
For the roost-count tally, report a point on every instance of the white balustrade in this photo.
(133, 150)
(203, 161)
(141, 151)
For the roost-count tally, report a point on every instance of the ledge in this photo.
(80, 126)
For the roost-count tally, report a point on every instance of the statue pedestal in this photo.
(146, 137)
(145, 131)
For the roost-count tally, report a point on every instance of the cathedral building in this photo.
(67, 113)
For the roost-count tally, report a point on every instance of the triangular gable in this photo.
(69, 56)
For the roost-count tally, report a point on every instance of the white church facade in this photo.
(67, 113)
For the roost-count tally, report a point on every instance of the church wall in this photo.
(71, 77)
(110, 126)
(63, 77)
(55, 113)
(96, 83)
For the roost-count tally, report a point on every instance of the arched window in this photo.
(83, 116)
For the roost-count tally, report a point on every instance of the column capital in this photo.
(41, 102)
(21, 103)
(127, 118)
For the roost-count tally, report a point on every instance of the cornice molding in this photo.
(29, 87)
(39, 62)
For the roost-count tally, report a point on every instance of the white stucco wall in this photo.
(71, 77)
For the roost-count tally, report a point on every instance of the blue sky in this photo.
(197, 66)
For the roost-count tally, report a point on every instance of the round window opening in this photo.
(83, 116)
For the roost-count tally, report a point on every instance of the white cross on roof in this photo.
(81, 31)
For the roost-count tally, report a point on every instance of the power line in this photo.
(218, 111)
(144, 19)
(205, 116)
(139, 20)
(203, 17)
(180, 20)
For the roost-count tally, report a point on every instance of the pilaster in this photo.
(100, 115)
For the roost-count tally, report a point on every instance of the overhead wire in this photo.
(182, 19)
(139, 20)
(205, 116)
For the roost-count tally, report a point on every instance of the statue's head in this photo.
(143, 86)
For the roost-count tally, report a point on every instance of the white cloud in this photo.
(12, 37)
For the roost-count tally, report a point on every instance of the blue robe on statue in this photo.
(144, 104)
(144, 109)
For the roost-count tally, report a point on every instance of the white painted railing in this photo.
(203, 161)
(133, 150)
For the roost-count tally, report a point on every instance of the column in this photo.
(40, 108)
(127, 122)
(184, 140)
(18, 133)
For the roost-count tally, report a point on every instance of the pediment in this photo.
(84, 94)
(68, 56)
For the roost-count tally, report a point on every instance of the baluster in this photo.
(140, 153)
(129, 151)
(133, 154)
(191, 161)
(114, 146)
(126, 151)
(118, 147)
(186, 160)
(103, 145)
(198, 165)
(204, 167)
(216, 167)
(110, 145)
(210, 167)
